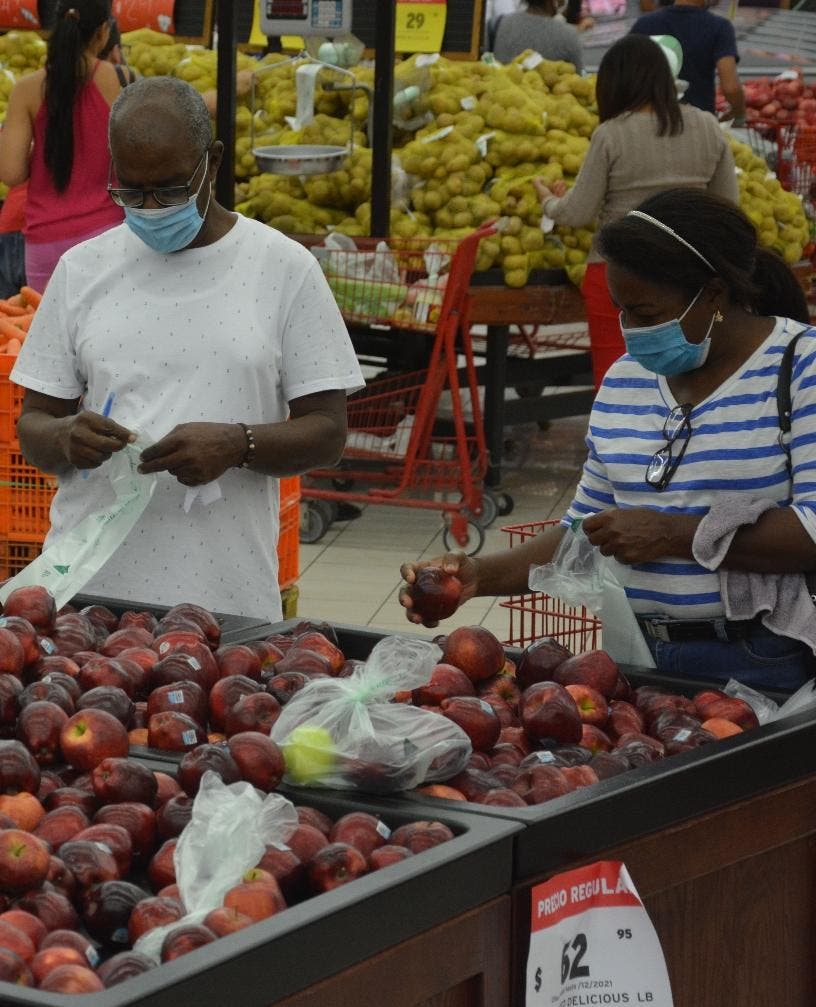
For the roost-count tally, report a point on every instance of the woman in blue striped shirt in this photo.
(685, 417)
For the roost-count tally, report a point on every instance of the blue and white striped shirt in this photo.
(734, 447)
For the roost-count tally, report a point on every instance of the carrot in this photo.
(30, 296)
(8, 329)
(12, 309)
(16, 300)
(13, 347)
(24, 323)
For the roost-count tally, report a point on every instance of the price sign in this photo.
(420, 25)
(592, 942)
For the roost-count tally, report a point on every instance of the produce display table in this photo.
(471, 968)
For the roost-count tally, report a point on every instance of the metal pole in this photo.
(385, 37)
(225, 106)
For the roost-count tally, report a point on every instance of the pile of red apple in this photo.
(86, 865)
(167, 682)
(785, 100)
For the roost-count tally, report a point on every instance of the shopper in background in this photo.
(12, 243)
(55, 135)
(646, 142)
(215, 336)
(685, 432)
(112, 52)
(709, 50)
(537, 28)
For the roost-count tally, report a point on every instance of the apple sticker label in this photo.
(545, 757)
(189, 737)
(383, 830)
(683, 734)
(486, 706)
(164, 647)
(120, 936)
(194, 664)
(47, 645)
(175, 697)
(92, 955)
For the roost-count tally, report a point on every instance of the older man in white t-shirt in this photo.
(214, 336)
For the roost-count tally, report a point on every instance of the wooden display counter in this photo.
(731, 895)
(462, 963)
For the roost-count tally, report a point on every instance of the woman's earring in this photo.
(718, 316)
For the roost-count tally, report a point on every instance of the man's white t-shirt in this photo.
(228, 333)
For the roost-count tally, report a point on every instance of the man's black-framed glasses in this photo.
(166, 195)
(665, 461)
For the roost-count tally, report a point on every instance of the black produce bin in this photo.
(315, 939)
(234, 628)
(638, 802)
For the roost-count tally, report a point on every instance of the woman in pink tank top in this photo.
(56, 136)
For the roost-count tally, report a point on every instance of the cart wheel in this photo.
(315, 520)
(506, 504)
(475, 541)
(490, 509)
(342, 485)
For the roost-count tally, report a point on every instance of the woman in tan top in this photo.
(646, 142)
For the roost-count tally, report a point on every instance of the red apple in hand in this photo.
(435, 594)
(91, 736)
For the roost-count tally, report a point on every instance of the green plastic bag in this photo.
(66, 566)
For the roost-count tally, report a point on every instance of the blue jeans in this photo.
(12, 263)
(761, 660)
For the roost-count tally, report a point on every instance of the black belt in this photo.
(680, 630)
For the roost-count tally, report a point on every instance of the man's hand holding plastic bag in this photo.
(230, 828)
(348, 733)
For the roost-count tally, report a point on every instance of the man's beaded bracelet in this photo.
(249, 455)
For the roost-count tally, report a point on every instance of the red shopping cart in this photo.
(416, 439)
(533, 616)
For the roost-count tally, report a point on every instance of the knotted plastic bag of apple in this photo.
(230, 828)
(349, 733)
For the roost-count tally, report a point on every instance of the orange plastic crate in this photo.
(25, 496)
(16, 554)
(289, 490)
(11, 401)
(289, 544)
(533, 616)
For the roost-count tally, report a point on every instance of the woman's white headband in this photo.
(673, 233)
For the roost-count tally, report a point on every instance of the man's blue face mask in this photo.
(170, 228)
(664, 349)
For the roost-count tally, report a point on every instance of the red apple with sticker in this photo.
(174, 732)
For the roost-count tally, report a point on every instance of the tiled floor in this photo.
(352, 574)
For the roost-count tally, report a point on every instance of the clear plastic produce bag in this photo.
(581, 576)
(66, 566)
(363, 283)
(768, 710)
(347, 733)
(231, 826)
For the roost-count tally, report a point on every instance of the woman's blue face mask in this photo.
(170, 228)
(663, 348)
